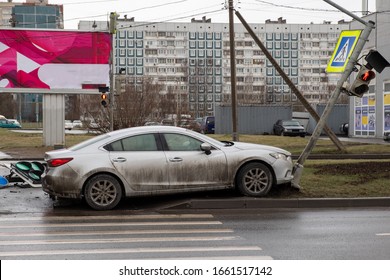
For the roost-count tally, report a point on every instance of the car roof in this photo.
(150, 128)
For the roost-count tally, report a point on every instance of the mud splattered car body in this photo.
(154, 160)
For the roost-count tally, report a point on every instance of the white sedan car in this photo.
(152, 160)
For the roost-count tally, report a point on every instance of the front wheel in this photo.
(103, 192)
(254, 179)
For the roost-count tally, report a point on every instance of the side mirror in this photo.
(206, 147)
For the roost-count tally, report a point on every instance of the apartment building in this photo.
(193, 60)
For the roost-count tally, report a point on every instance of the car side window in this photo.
(145, 142)
(179, 142)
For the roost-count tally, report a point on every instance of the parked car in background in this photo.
(386, 136)
(15, 122)
(77, 124)
(190, 124)
(5, 123)
(152, 123)
(68, 125)
(208, 125)
(153, 160)
(168, 122)
(289, 128)
(344, 129)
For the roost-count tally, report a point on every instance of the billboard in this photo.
(37, 59)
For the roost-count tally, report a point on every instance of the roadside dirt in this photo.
(365, 171)
(27, 153)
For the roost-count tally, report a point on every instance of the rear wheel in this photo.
(103, 192)
(254, 179)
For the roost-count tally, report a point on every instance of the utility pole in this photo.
(113, 22)
(233, 71)
(298, 167)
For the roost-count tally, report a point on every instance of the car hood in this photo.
(250, 146)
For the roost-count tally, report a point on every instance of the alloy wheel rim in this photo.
(103, 193)
(256, 180)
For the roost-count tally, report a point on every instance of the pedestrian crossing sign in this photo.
(344, 48)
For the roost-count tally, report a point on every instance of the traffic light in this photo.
(104, 99)
(104, 96)
(363, 79)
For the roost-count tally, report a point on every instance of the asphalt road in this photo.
(34, 228)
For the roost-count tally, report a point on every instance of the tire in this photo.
(103, 192)
(254, 179)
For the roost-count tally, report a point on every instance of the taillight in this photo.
(58, 161)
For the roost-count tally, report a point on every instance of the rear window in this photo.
(89, 142)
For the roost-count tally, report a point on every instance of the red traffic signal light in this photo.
(367, 76)
(363, 79)
(104, 99)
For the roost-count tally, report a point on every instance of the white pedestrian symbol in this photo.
(342, 54)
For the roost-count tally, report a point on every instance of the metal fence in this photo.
(260, 119)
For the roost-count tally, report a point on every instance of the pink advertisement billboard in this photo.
(54, 59)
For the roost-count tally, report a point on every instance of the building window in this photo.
(130, 43)
(139, 35)
(122, 61)
(130, 34)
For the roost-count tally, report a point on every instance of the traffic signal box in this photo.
(360, 86)
(104, 95)
(104, 100)
(363, 79)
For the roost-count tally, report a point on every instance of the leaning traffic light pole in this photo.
(298, 167)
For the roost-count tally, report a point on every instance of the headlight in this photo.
(278, 156)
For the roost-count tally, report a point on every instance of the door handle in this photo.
(176, 159)
(119, 159)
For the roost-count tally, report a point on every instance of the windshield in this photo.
(291, 123)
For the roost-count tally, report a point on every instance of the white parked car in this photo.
(68, 125)
(152, 160)
(77, 124)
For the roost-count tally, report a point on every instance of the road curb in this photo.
(259, 203)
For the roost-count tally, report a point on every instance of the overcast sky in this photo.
(254, 11)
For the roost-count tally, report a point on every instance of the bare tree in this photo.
(139, 103)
